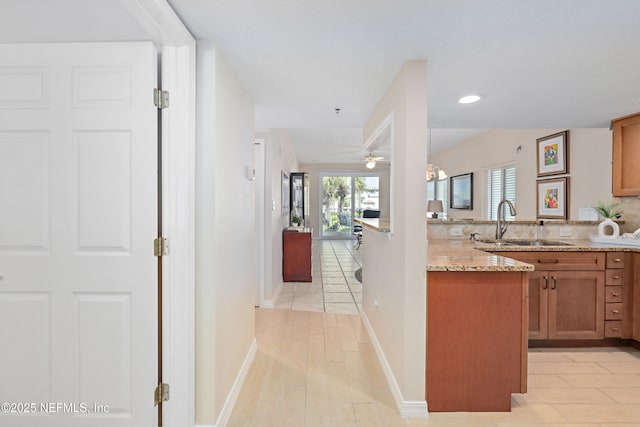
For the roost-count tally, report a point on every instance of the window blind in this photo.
(501, 184)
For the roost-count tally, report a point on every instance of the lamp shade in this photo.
(434, 206)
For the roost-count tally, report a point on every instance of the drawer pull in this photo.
(616, 311)
(614, 294)
(617, 259)
(616, 277)
(548, 261)
(615, 329)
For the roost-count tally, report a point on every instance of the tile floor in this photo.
(317, 368)
(334, 288)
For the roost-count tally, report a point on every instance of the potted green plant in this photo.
(295, 220)
(608, 210)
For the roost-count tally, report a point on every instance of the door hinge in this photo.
(161, 98)
(161, 394)
(161, 246)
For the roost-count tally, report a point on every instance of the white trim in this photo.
(390, 123)
(178, 71)
(270, 303)
(232, 397)
(260, 189)
(178, 50)
(160, 20)
(406, 408)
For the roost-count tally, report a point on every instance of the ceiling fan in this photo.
(370, 161)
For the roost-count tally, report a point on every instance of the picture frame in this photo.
(553, 154)
(461, 191)
(552, 198)
(285, 194)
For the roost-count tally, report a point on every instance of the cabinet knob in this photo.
(616, 311)
(615, 294)
(617, 259)
(616, 277)
(615, 329)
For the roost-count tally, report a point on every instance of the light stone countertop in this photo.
(377, 224)
(463, 255)
(460, 255)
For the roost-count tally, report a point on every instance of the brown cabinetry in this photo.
(566, 294)
(296, 256)
(626, 155)
(615, 301)
(476, 340)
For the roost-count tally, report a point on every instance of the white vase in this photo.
(605, 225)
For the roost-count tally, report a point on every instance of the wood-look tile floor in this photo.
(320, 369)
(316, 368)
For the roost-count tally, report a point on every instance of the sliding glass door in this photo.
(343, 197)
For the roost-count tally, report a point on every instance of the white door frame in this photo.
(178, 49)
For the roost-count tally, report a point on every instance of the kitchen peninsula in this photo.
(581, 293)
(476, 328)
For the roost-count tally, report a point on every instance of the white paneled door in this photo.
(78, 197)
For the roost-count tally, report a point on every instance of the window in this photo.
(437, 190)
(501, 184)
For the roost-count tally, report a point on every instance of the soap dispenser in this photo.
(540, 231)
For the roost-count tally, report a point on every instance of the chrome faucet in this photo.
(501, 226)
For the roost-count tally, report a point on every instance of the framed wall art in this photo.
(552, 197)
(285, 194)
(461, 191)
(553, 154)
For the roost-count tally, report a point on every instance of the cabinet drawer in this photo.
(615, 259)
(579, 261)
(613, 277)
(613, 294)
(613, 311)
(613, 329)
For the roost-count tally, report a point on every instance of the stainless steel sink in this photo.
(524, 242)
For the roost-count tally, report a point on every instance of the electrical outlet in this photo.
(565, 232)
(455, 232)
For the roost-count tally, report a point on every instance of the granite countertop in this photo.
(464, 255)
(461, 255)
(377, 224)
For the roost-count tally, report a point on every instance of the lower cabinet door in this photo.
(576, 305)
(538, 304)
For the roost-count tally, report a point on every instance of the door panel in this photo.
(538, 304)
(576, 305)
(78, 218)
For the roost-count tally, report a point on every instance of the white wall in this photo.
(589, 167)
(394, 269)
(226, 260)
(314, 169)
(280, 156)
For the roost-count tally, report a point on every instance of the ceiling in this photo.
(537, 64)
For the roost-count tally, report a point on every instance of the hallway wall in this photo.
(226, 256)
(280, 157)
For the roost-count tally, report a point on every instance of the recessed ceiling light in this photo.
(469, 99)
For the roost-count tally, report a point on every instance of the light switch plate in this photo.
(455, 232)
(565, 232)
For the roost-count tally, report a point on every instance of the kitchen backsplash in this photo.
(461, 229)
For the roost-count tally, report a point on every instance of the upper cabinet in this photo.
(626, 155)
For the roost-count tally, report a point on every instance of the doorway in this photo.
(343, 197)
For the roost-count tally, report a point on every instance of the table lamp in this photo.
(434, 206)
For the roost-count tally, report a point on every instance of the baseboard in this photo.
(223, 419)
(270, 303)
(406, 408)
